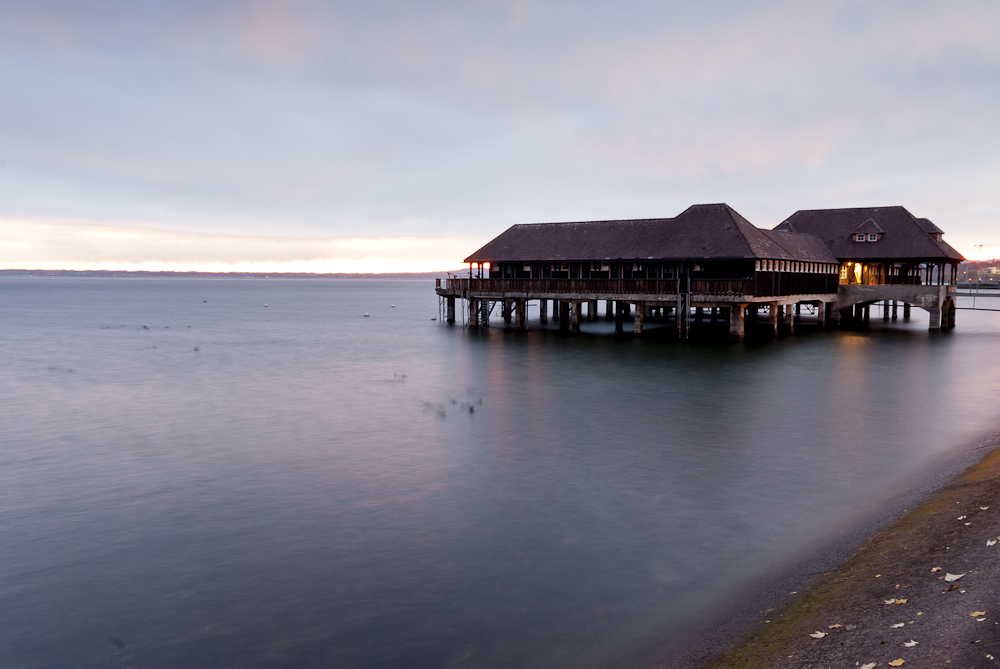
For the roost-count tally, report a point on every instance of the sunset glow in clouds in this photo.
(381, 136)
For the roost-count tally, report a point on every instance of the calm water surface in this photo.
(215, 483)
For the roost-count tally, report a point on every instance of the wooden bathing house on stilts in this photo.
(708, 257)
(886, 255)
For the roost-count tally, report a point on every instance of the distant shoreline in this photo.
(225, 275)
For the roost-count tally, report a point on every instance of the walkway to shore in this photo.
(894, 592)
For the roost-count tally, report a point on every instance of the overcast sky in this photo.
(401, 136)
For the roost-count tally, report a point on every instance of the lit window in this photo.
(860, 237)
(873, 236)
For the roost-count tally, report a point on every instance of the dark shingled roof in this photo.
(905, 236)
(805, 248)
(700, 232)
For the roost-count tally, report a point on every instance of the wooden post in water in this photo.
(450, 313)
(543, 310)
(772, 317)
(563, 315)
(640, 314)
(619, 316)
(577, 307)
(906, 311)
(790, 318)
(520, 307)
(473, 313)
(894, 305)
(737, 318)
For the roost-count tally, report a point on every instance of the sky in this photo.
(384, 136)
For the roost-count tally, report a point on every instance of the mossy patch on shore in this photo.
(895, 559)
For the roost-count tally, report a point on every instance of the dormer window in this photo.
(869, 231)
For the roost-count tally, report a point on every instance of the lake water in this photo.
(190, 478)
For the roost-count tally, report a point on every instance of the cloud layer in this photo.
(392, 120)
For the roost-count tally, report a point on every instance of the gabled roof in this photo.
(868, 226)
(905, 236)
(700, 232)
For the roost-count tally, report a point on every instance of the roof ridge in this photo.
(742, 222)
(885, 206)
(603, 220)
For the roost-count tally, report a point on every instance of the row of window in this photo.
(866, 237)
(791, 266)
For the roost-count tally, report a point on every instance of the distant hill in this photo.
(224, 275)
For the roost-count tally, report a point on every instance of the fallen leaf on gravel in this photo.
(910, 644)
(900, 601)
(870, 665)
(961, 518)
(954, 577)
(976, 614)
(898, 625)
(984, 507)
(890, 601)
(835, 626)
(920, 613)
(934, 569)
(968, 523)
(991, 542)
(979, 620)
(897, 663)
(990, 656)
(818, 635)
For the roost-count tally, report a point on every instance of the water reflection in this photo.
(310, 488)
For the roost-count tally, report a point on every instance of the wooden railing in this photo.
(763, 284)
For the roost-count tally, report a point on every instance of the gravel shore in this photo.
(893, 592)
